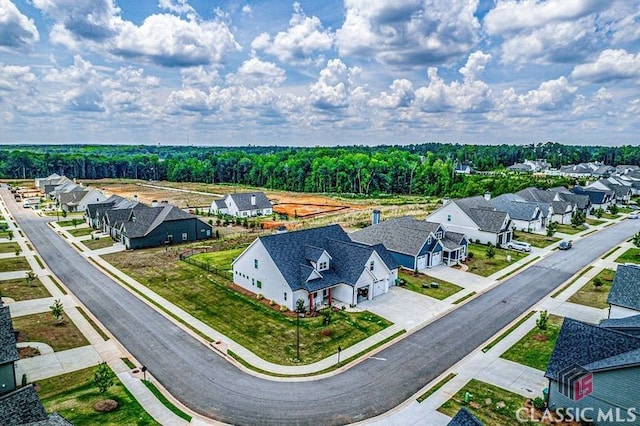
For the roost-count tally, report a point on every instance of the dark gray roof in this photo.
(625, 290)
(452, 240)
(403, 234)
(72, 197)
(595, 195)
(535, 194)
(464, 418)
(21, 406)
(243, 201)
(8, 351)
(587, 344)
(581, 201)
(54, 419)
(517, 207)
(348, 259)
(485, 216)
(142, 221)
(620, 324)
(220, 204)
(619, 189)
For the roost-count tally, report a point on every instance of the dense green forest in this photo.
(413, 169)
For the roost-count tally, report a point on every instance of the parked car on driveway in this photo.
(519, 245)
(564, 245)
(633, 216)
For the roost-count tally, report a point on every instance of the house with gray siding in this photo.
(595, 369)
(624, 296)
(415, 244)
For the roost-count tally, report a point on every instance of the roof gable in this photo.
(403, 235)
(625, 290)
(242, 201)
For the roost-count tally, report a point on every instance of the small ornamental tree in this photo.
(636, 240)
(614, 209)
(598, 213)
(300, 306)
(10, 235)
(57, 310)
(577, 219)
(491, 252)
(597, 283)
(552, 228)
(542, 321)
(103, 377)
(29, 277)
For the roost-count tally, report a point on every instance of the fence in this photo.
(186, 257)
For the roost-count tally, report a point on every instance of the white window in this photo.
(255, 263)
(449, 218)
(439, 235)
(184, 236)
(371, 265)
(285, 295)
(323, 266)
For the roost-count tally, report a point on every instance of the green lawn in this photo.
(480, 264)
(590, 295)
(4, 234)
(595, 222)
(18, 289)
(568, 229)
(43, 327)
(630, 256)
(485, 403)
(9, 247)
(536, 240)
(610, 216)
(72, 395)
(17, 263)
(220, 259)
(65, 223)
(534, 349)
(262, 329)
(79, 232)
(414, 283)
(99, 243)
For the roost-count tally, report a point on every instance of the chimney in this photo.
(135, 198)
(253, 200)
(154, 203)
(375, 217)
(487, 195)
(164, 202)
(445, 200)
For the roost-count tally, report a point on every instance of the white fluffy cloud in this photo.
(551, 95)
(333, 86)
(300, 42)
(514, 15)
(164, 39)
(17, 31)
(254, 72)
(611, 64)
(408, 32)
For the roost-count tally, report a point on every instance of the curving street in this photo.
(209, 385)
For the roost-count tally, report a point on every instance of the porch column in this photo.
(311, 308)
(370, 295)
(330, 299)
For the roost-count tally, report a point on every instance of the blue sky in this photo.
(319, 72)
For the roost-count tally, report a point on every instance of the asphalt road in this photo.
(209, 385)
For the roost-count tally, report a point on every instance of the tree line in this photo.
(426, 169)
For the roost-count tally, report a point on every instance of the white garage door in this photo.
(436, 258)
(422, 262)
(378, 288)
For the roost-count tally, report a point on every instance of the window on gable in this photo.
(253, 281)
(439, 235)
(371, 265)
(255, 263)
(285, 296)
(323, 266)
(449, 218)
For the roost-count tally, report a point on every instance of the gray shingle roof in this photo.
(243, 201)
(596, 196)
(464, 418)
(20, 407)
(535, 194)
(8, 351)
(517, 207)
(620, 324)
(289, 252)
(452, 240)
(485, 216)
(625, 290)
(585, 344)
(142, 221)
(403, 235)
(72, 197)
(581, 201)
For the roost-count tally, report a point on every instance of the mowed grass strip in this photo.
(596, 297)
(18, 289)
(44, 328)
(485, 403)
(80, 232)
(482, 265)
(9, 247)
(263, 330)
(220, 259)
(17, 263)
(414, 283)
(536, 240)
(72, 395)
(568, 229)
(534, 349)
(630, 256)
(99, 243)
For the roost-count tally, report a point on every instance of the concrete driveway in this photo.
(405, 308)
